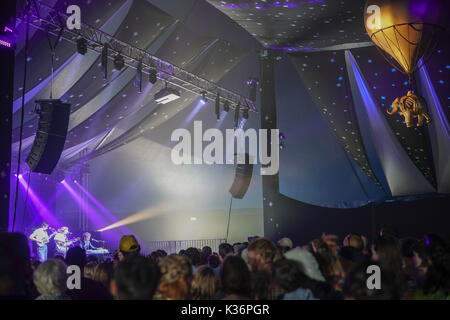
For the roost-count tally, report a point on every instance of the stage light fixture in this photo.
(138, 80)
(167, 95)
(218, 107)
(119, 63)
(104, 63)
(226, 106)
(203, 99)
(81, 46)
(153, 76)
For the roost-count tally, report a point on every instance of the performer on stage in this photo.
(85, 242)
(41, 237)
(61, 241)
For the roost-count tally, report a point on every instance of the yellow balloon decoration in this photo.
(406, 32)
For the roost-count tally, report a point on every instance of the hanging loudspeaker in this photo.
(50, 136)
(242, 178)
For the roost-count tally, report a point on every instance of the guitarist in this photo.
(41, 237)
(61, 241)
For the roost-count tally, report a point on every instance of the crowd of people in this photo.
(324, 269)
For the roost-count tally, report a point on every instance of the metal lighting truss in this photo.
(49, 20)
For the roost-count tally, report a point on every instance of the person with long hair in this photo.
(329, 264)
(104, 273)
(204, 284)
(235, 279)
(176, 276)
(434, 261)
(386, 251)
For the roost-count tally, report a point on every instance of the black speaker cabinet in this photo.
(242, 179)
(50, 136)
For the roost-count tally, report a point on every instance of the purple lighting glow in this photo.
(102, 208)
(91, 213)
(41, 208)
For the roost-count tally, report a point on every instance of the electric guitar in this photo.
(62, 245)
(44, 240)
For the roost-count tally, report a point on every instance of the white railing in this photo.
(174, 246)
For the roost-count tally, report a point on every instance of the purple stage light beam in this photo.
(41, 208)
(91, 213)
(102, 208)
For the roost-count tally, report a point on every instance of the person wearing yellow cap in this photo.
(128, 247)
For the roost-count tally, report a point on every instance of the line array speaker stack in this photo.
(242, 179)
(50, 136)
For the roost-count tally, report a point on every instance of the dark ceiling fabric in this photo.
(386, 84)
(135, 27)
(324, 75)
(225, 55)
(183, 46)
(307, 24)
(94, 13)
(438, 68)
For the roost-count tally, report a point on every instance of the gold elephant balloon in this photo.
(411, 106)
(405, 29)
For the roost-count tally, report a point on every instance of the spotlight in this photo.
(119, 63)
(138, 80)
(166, 95)
(226, 106)
(105, 61)
(75, 181)
(152, 76)
(81, 46)
(63, 181)
(203, 99)
(218, 107)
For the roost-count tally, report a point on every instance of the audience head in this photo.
(235, 277)
(329, 263)
(355, 241)
(76, 256)
(128, 246)
(225, 249)
(89, 270)
(136, 278)
(176, 276)
(285, 244)
(261, 254)
(104, 273)
(213, 261)
(15, 267)
(204, 284)
(194, 256)
(386, 250)
(50, 277)
(437, 258)
(355, 286)
(287, 274)
(207, 250)
(331, 241)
